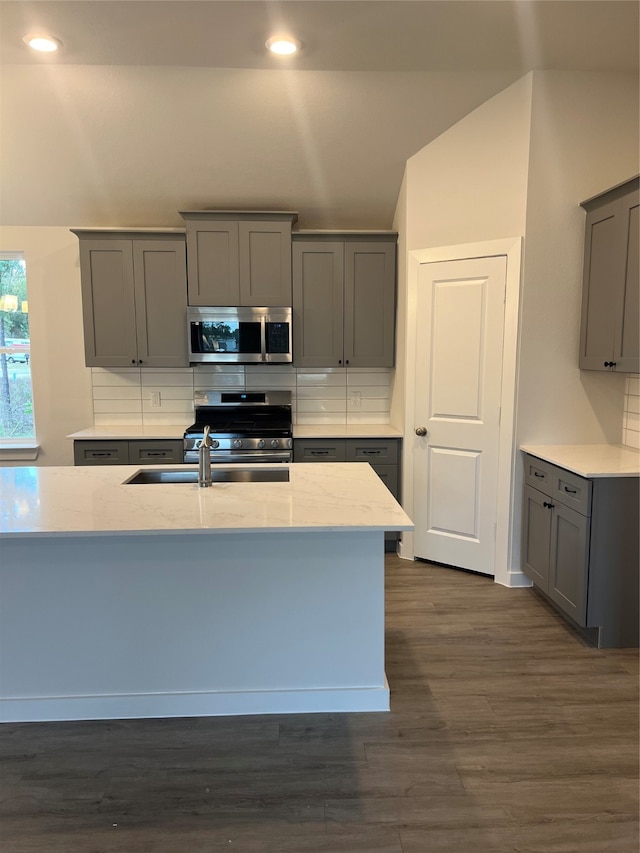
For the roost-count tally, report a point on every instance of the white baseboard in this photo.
(214, 704)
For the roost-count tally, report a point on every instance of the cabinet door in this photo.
(568, 562)
(369, 304)
(602, 269)
(108, 303)
(536, 537)
(265, 263)
(317, 304)
(161, 302)
(213, 271)
(627, 335)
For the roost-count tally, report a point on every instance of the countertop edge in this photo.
(592, 461)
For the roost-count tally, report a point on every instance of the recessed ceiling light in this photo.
(42, 42)
(283, 45)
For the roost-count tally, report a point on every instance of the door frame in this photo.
(508, 571)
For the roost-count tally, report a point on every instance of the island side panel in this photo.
(99, 627)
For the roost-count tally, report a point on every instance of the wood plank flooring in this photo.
(507, 734)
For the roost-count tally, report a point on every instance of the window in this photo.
(16, 396)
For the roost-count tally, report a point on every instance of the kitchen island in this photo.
(158, 600)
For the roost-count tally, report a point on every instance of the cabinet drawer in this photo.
(375, 451)
(319, 450)
(571, 490)
(154, 452)
(539, 474)
(101, 452)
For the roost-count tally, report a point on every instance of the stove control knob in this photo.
(261, 443)
(237, 442)
(275, 442)
(214, 443)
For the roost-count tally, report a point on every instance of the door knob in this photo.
(421, 430)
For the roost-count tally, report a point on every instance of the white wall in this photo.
(470, 184)
(61, 382)
(584, 139)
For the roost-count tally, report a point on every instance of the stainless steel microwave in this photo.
(239, 335)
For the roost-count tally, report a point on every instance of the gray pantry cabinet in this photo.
(580, 548)
(383, 454)
(610, 327)
(239, 257)
(134, 298)
(344, 295)
(152, 451)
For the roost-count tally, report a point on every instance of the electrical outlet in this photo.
(356, 399)
(155, 399)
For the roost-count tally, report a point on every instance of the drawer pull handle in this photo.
(371, 453)
(547, 505)
(538, 474)
(156, 453)
(570, 491)
(95, 454)
(318, 453)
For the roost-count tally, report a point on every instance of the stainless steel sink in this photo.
(218, 475)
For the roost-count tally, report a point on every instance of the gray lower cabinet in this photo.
(580, 548)
(344, 291)
(134, 298)
(382, 454)
(153, 451)
(610, 327)
(239, 258)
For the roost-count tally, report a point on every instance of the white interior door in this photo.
(459, 342)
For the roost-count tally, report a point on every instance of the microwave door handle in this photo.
(263, 338)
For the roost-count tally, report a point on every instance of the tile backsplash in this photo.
(631, 418)
(165, 397)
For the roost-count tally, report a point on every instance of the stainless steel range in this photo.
(244, 426)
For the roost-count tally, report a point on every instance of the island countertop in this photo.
(82, 501)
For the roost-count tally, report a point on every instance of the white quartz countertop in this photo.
(346, 431)
(133, 432)
(589, 460)
(87, 500)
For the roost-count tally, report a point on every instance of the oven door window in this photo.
(231, 336)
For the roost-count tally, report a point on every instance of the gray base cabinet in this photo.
(580, 547)
(129, 452)
(344, 291)
(382, 454)
(134, 298)
(239, 258)
(610, 327)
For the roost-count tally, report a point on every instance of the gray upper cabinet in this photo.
(239, 258)
(609, 337)
(134, 298)
(344, 291)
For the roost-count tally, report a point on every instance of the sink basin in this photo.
(218, 475)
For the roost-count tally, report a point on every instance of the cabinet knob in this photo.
(421, 430)
(547, 505)
(610, 363)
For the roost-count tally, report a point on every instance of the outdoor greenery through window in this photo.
(16, 397)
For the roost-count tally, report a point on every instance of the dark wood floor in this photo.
(507, 733)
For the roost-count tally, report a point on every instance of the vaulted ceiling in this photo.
(153, 106)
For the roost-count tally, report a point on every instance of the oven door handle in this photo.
(247, 458)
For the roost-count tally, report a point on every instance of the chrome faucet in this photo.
(204, 460)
